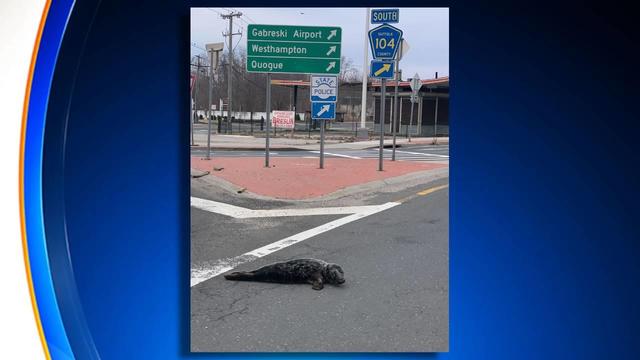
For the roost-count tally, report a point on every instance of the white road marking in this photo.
(218, 207)
(207, 271)
(244, 213)
(334, 154)
(418, 153)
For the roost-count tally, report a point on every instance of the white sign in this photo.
(404, 48)
(416, 84)
(324, 88)
(283, 119)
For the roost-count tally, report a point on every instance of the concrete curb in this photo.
(314, 146)
(293, 148)
(229, 148)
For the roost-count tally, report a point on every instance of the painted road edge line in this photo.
(422, 193)
(433, 189)
(213, 269)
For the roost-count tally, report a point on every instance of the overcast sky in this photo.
(425, 29)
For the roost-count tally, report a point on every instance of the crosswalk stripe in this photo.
(338, 155)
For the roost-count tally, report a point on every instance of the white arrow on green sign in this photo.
(293, 49)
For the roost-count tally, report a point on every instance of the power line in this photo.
(244, 15)
(243, 20)
(250, 19)
(239, 39)
(215, 11)
(244, 76)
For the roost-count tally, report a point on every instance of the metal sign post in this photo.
(385, 41)
(323, 111)
(322, 124)
(395, 103)
(435, 125)
(382, 92)
(266, 147)
(410, 121)
(416, 84)
(384, 70)
(323, 95)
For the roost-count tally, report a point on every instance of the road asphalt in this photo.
(396, 264)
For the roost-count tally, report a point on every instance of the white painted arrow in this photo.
(324, 109)
(332, 33)
(331, 66)
(332, 49)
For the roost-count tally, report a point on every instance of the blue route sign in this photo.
(323, 110)
(382, 16)
(382, 69)
(385, 41)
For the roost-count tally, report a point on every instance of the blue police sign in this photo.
(324, 88)
(385, 41)
(382, 69)
(323, 110)
(381, 16)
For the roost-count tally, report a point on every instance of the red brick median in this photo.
(301, 178)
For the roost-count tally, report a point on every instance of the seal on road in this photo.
(311, 271)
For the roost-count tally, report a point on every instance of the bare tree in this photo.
(348, 72)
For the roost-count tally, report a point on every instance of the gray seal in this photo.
(306, 271)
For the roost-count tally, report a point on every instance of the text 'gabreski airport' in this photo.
(282, 33)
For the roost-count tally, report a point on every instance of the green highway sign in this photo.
(294, 49)
(294, 33)
(288, 65)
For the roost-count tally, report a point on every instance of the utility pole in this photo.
(268, 111)
(208, 112)
(230, 34)
(211, 49)
(195, 85)
(191, 107)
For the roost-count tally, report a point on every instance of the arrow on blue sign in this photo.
(385, 41)
(323, 110)
(382, 69)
